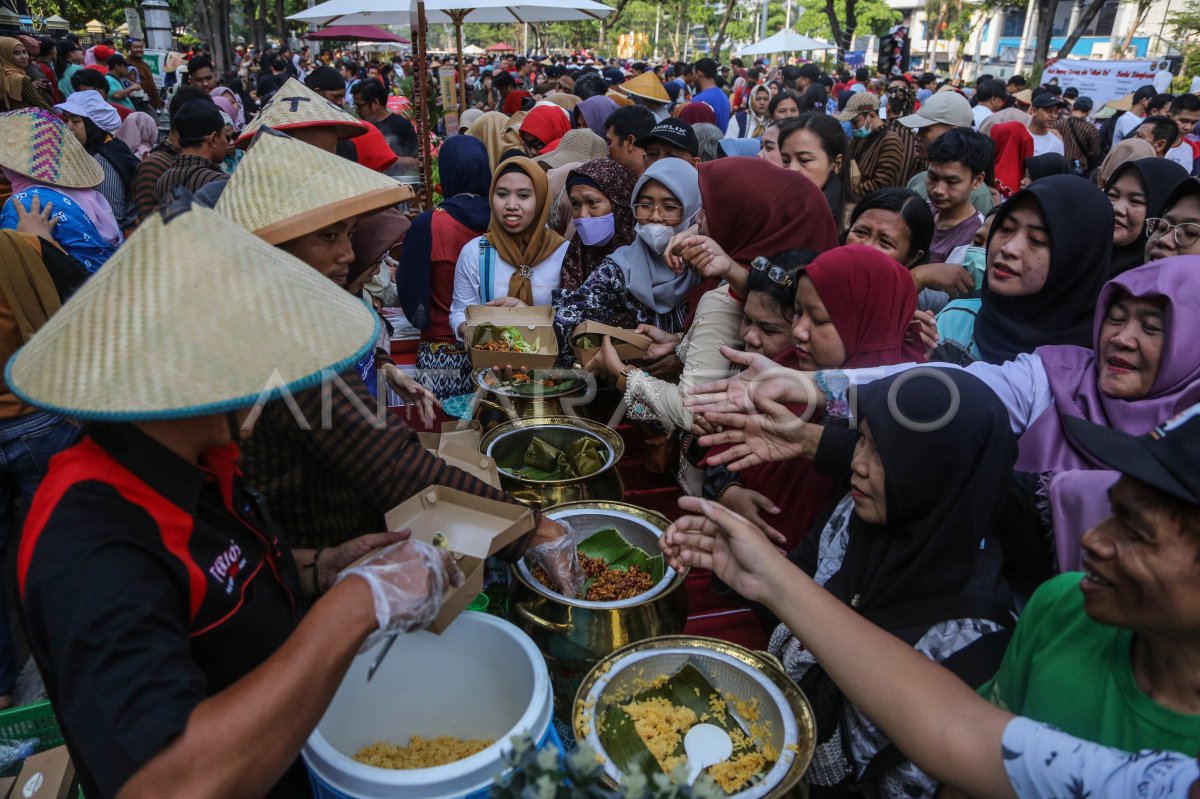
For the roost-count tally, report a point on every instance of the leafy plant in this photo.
(546, 774)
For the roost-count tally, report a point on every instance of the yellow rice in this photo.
(420, 752)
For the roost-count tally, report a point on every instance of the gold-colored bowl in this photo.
(575, 634)
(509, 440)
(732, 670)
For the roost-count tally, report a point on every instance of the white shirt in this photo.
(981, 113)
(1048, 142)
(1182, 154)
(546, 277)
(1125, 125)
(1162, 81)
(1044, 763)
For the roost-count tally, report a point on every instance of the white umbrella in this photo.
(473, 49)
(786, 41)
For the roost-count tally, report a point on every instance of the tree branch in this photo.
(1085, 19)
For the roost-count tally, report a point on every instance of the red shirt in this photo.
(449, 237)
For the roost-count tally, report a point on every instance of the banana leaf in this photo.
(588, 341)
(585, 456)
(534, 473)
(487, 332)
(542, 455)
(611, 546)
(688, 688)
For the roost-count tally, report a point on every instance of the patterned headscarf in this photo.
(616, 183)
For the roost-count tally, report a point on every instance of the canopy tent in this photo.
(786, 41)
(501, 47)
(356, 33)
(473, 49)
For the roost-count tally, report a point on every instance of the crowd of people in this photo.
(919, 347)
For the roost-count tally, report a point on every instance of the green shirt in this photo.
(981, 197)
(1064, 669)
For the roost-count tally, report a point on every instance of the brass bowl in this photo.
(574, 634)
(732, 670)
(494, 404)
(506, 441)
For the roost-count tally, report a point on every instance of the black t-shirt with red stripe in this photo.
(147, 584)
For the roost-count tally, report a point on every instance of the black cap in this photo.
(675, 133)
(323, 79)
(1048, 100)
(196, 119)
(1167, 458)
(1084, 104)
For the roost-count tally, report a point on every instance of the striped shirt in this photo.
(114, 190)
(145, 180)
(337, 480)
(913, 163)
(189, 171)
(1081, 141)
(880, 159)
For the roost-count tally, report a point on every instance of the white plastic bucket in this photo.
(482, 678)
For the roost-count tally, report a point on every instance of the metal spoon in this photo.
(379, 659)
(706, 745)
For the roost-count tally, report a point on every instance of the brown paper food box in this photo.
(458, 445)
(6, 786)
(474, 527)
(47, 775)
(630, 345)
(535, 323)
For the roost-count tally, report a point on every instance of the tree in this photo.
(823, 18)
(1085, 19)
(1143, 8)
(1185, 23)
(716, 50)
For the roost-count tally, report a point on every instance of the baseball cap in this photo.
(858, 104)
(675, 133)
(196, 119)
(1167, 458)
(945, 108)
(1048, 100)
(1084, 103)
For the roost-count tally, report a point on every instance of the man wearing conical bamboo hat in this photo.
(338, 481)
(160, 602)
(306, 115)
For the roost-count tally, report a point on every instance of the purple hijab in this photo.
(1078, 491)
(595, 112)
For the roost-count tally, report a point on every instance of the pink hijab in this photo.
(91, 201)
(139, 131)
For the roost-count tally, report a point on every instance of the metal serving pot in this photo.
(500, 404)
(574, 634)
(509, 440)
(733, 671)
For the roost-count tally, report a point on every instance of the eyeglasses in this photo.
(1186, 233)
(644, 208)
(776, 274)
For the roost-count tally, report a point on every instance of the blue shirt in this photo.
(719, 102)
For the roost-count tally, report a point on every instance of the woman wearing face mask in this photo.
(1136, 189)
(635, 285)
(601, 193)
(519, 260)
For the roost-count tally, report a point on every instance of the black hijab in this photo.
(1073, 211)
(1159, 177)
(945, 488)
(1045, 165)
(101, 143)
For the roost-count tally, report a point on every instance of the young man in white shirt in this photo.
(990, 96)
(1134, 116)
(1185, 112)
(1043, 114)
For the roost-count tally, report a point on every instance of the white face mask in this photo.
(655, 236)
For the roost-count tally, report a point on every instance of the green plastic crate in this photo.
(33, 721)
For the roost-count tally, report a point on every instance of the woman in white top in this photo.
(518, 257)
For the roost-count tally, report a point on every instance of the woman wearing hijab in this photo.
(593, 112)
(567, 102)
(493, 130)
(19, 91)
(236, 111)
(515, 101)
(1045, 268)
(695, 113)
(601, 195)
(543, 128)
(1125, 150)
(753, 121)
(94, 121)
(139, 131)
(635, 285)
(425, 276)
(519, 260)
(1013, 146)
(1177, 226)
(60, 173)
(1043, 166)
(1137, 190)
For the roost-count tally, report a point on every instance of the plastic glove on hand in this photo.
(560, 560)
(407, 581)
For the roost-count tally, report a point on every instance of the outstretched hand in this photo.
(771, 433)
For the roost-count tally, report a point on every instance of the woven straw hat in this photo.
(577, 146)
(155, 335)
(284, 188)
(297, 106)
(38, 145)
(647, 86)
